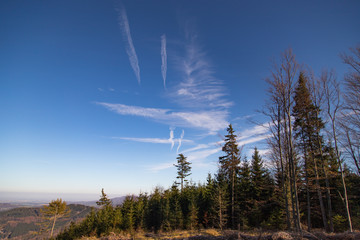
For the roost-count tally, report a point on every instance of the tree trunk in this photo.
(328, 193)
(233, 201)
(285, 193)
(52, 228)
(342, 175)
(292, 163)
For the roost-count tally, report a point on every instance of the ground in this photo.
(213, 234)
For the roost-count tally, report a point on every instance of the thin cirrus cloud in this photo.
(197, 158)
(212, 121)
(255, 134)
(130, 49)
(163, 58)
(180, 140)
(199, 87)
(153, 140)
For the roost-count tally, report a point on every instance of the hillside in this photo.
(23, 223)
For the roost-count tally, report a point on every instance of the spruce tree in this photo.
(104, 200)
(183, 169)
(262, 187)
(229, 166)
(244, 196)
(307, 126)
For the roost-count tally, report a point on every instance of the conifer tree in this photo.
(229, 166)
(104, 200)
(245, 194)
(261, 190)
(183, 169)
(221, 201)
(306, 126)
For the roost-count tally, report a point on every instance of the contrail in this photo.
(163, 58)
(130, 49)
(181, 138)
(171, 139)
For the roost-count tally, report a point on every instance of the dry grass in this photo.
(214, 234)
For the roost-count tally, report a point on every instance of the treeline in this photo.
(307, 182)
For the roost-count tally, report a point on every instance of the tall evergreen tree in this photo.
(245, 192)
(229, 166)
(262, 187)
(104, 200)
(183, 169)
(306, 127)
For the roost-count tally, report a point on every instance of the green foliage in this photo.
(340, 223)
(183, 169)
(104, 200)
(51, 213)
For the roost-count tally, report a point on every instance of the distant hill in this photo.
(8, 206)
(115, 201)
(22, 223)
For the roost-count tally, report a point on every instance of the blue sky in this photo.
(106, 94)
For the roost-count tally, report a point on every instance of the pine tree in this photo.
(306, 127)
(221, 201)
(244, 196)
(104, 200)
(262, 187)
(52, 212)
(229, 166)
(183, 168)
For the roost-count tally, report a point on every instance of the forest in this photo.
(310, 179)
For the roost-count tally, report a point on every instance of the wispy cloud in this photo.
(254, 131)
(163, 58)
(199, 88)
(253, 139)
(154, 140)
(180, 139)
(252, 135)
(130, 49)
(171, 138)
(198, 147)
(197, 159)
(161, 166)
(211, 120)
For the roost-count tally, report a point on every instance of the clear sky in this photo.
(106, 94)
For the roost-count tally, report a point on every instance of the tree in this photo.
(244, 196)
(262, 188)
(281, 90)
(351, 118)
(229, 166)
(55, 210)
(183, 169)
(104, 200)
(333, 106)
(306, 126)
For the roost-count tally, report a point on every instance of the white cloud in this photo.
(197, 159)
(130, 49)
(256, 130)
(153, 140)
(162, 166)
(180, 139)
(198, 147)
(163, 58)
(212, 121)
(253, 139)
(171, 138)
(199, 88)
(199, 156)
